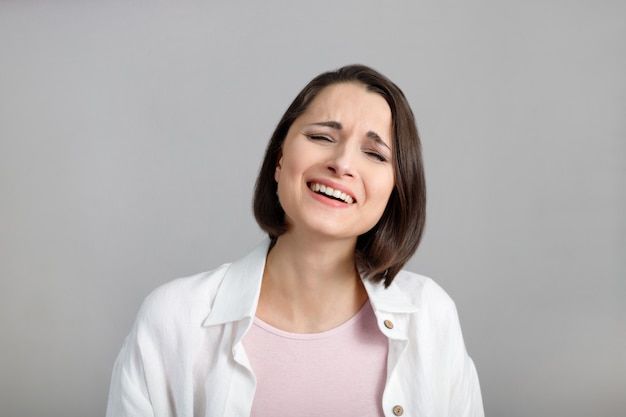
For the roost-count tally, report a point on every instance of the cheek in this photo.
(291, 167)
(382, 195)
(384, 186)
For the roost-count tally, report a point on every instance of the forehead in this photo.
(353, 106)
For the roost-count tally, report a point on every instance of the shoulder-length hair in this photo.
(383, 250)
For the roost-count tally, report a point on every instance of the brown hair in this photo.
(382, 251)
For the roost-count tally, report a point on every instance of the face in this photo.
(335, 173)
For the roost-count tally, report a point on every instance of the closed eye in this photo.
(376, 156)
(320, 138)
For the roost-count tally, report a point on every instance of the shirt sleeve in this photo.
(465, 399)
(128, 393)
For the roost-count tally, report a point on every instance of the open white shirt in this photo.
(185, 357)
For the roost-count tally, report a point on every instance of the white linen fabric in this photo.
(184, 355)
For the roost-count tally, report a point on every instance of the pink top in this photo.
(340, 372)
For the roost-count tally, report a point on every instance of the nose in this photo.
(342, 162)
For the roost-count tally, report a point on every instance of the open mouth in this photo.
(331, 193)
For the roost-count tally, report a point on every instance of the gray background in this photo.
(131, 134)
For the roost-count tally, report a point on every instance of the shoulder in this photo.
(436, 318)
(228, 293)
(182, 299)
(424, 293)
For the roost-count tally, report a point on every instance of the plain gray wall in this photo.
(131, 134)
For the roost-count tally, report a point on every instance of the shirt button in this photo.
(398, 410)
(388, 324)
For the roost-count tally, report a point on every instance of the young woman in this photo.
(319, 319)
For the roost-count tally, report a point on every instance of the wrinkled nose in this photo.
(343, 162)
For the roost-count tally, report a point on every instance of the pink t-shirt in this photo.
(339, 372)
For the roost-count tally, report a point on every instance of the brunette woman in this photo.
(320, 319)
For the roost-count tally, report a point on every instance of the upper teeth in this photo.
(324, 189)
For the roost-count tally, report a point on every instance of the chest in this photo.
(341, 372)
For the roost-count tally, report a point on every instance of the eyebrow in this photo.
(337, 126)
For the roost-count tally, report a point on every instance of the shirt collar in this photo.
(391, 299)
(238, 294)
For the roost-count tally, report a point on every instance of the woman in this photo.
(319, 319)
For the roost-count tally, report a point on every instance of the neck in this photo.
(310, 286)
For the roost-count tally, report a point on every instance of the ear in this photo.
(278, 168)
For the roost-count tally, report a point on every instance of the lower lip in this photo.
(328, 201)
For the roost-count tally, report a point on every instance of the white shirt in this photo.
(185, 357)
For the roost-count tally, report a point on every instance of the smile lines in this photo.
(328, 191)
